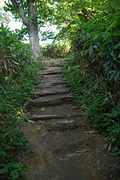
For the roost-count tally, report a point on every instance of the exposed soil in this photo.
(64, 144)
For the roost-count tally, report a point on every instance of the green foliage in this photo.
(14, 54)
(100, 49)
(43, 12)
(14, 92)
(55, 50)
(97, 100)
(97, 41)
(13, 171)
(94, 30)
(18, 77)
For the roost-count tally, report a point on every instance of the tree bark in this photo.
(20, 11)
(31, 23)
(33, 28)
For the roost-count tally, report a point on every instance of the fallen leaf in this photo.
(42, 109)
(38, 128)
(20, 112)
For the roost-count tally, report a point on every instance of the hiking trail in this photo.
(64, 144)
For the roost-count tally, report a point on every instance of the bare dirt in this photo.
(64, 145)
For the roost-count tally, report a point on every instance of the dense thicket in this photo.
(94, 29)
(97, 41)
(17, 78)
(14, 54)
(95, 76)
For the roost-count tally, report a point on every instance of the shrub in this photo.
(14, 93)
(96, 45)
(96, 42)
(55, 50)
(14, 54)
(18, 77)
(96, 99)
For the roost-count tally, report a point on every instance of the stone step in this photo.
(50, 91)
(58, 111)
(52, 100)
(51, 70)
(62, 124)
(55, 62)
(42, 85)
(48, 86)
(49, 117)
(57, 76)
(51, 80)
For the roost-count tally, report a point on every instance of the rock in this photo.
(52, 100)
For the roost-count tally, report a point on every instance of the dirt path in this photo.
(63, 143)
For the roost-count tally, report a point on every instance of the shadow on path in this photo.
(63, 143)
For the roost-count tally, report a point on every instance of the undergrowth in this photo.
(14, 93)
(96, 99)
(56, 50)
(17, 79)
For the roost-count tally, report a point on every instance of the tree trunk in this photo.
(34, 40)
(33, 28)
(30, 22)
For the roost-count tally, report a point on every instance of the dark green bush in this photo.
(96, 99)
(14, 92)
(97, 42)
(18, 77)
(95, 84)
(14, 54)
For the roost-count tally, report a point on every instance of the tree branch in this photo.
(20, 11)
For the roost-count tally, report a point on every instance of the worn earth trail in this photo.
(63, 143)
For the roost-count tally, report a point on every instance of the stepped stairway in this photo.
(63, 143)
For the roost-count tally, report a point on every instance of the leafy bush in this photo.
(18, 77)
(97, 100)
(13, 170)
(14, 93)
(14, 54)
(55, 50)
(97, 42)
(95, 78)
